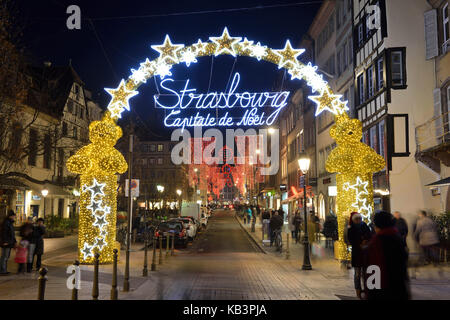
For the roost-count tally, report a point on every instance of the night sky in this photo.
(114, 38)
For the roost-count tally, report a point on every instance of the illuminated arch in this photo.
(98, 163)
(171, 54)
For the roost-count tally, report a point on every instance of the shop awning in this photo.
(12, 184)
(53, 190)
(440, 183)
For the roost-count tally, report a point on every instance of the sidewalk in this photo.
(426, 282)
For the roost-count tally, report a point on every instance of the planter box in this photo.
(54, 234)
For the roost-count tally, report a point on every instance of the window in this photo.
(350, 51)
(380, 74)
(445, 24)
(61, 156)
(75, 133)
(81, 112)
(398, 75)
(361, 89)
(64, 129)
(381, 141)
(360, 33)
(32, 147)
(374, 138)
(47, 151)
(152, 148)
(70, 106)
(160, 160)
(160, 147)
(370, 88)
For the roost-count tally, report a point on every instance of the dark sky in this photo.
(120, 40)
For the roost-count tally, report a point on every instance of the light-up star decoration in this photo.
(168, 50)
(326, 101)
(87, 251)
(288, 55)
(163, 70)
(199, 47)
(99, 221)
(225, 43)
(120, 97)
(95, 189)
(100, 243)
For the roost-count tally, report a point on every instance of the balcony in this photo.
(433, 141)
(433, 133)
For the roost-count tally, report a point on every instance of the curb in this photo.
(255, 241)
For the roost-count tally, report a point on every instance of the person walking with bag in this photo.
(38, 241)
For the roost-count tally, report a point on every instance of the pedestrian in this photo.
(387, 252)
(249, 214)
(8, 241)
(22, 249)
(245, 214)
(297, 225)
(38, 241)
(426, 233)
(276, 223)
(401, 226)
(358, 235)
(291, 217)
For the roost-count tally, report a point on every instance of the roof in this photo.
(440, 183)
(51, 87)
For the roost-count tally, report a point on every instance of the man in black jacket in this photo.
(276, 223)
(401, 226)
(8, 241)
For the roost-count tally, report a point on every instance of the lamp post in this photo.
(160, 189)
(180, 200)
(303, 163)
(254, 177)
(44, 193)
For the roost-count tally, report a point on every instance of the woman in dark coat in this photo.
(386, 250)
(358, 235)
(38, 240)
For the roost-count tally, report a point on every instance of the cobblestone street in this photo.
(224, 262)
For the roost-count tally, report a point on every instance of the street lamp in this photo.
(271, 130)
(44, 193)
(180, 201)
(303, 163)
(160, 189)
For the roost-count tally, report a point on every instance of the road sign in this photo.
(134, 188)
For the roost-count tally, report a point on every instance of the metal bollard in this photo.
(173, 244)
(154, 255)
(288, 254)
(42, 280)
(167, 245)
(114, 292)
(145, 270)
(160, 250)
(75, 290)
(95, 283)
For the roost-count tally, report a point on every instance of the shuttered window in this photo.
(446, 25)
(431, 34)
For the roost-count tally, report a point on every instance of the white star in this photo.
(87, 251)
(100, 243)
(288, 54)
(200, 47)
(95, 206)
(100, 221)
(121, 95)
(95, 189)
(168, 49)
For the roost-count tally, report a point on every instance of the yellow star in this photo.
(121, 95)
(246, 44)
(325, 101)
(168, 49)
(288, 54)
(340, 106)
(199, 46)
(296, 73)
(225, 43)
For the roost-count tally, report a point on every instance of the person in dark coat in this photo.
(276, 223)
(297, 221)
(8, 241)
(38, 240)
(401, 226)
(387, 252)
(358, 235)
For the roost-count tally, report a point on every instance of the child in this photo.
(22, 248)
(21, 255)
